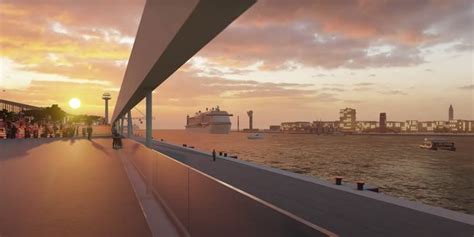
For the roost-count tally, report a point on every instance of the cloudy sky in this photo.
(286, 60)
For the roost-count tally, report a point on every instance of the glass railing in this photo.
(204, 206)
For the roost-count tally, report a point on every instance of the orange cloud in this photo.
(9, 10)
(73, 41)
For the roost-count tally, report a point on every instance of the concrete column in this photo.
(121, 125)
(129, 124)
(106, 111)
(148, 119)
(149, 139)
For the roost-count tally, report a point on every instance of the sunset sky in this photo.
(299, 60)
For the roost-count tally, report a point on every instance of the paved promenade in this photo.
(53, 187)
(342, 212)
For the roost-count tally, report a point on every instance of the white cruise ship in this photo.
(210, 121)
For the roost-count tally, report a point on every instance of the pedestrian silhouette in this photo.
(89, 132)
(213, 155)
(116, 139)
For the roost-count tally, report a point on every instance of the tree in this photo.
(8, 116)
(56, 113)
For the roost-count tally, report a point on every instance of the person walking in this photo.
(55, 130)
(27, 131)
(89, 132)
(114, 138)
(213, 155)
(14, 131)
(117, 139)
(35, 131)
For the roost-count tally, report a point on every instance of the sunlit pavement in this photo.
(66, 187)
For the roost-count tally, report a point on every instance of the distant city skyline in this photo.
(351, 113)
(348, 123)
(286, 61)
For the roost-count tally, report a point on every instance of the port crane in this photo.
(140, 119)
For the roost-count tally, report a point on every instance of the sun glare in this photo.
(75, 103)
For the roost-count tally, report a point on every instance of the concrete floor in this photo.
(54, 187)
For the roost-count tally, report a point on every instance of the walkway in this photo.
(54, 187)
(342, 212)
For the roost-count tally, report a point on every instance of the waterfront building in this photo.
(274, 128)
(383, 122)
(441, 126)
(348, 123)
(12, 106)
(366, 126)
(451, 112)
(296, 127)
(426, 126)
(432, 126)
(395, 126)
(411, 126)
(347, 118)
(470, 126)
(325, 127)
(460, 126)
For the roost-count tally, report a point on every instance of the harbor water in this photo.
(393, 163)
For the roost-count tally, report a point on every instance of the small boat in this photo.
(438, 144)
(255, 136)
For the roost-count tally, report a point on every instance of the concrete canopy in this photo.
(169, 34)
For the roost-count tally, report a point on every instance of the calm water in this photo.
(393, 163)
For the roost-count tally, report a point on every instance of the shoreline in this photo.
(351, 134)
(417, 134)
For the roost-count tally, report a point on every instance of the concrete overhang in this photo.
(169, 34)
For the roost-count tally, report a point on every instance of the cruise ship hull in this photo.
(213, 128)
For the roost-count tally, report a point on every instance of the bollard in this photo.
(360, 185)
(225, 154)
(338, 180)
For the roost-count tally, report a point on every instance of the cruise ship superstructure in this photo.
(210, 121)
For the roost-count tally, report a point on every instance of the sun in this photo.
(75, 103)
